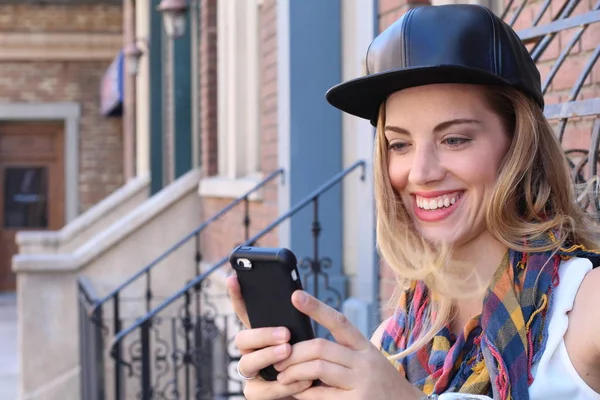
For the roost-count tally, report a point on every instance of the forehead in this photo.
(434, 103)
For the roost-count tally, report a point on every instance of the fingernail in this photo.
(302, 298)
(280, 333)
(280, 350)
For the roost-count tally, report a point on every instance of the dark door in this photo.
(31, 185)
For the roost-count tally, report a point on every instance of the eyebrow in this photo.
(440, 127)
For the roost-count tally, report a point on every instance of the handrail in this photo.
(185, 239)
(86, 288)
(200, 278)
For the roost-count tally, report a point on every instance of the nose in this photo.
(425, 167)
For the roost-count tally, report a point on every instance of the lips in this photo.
(434, 203)
(436, 206)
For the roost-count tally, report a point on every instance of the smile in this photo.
(434, 203)
(432, 209)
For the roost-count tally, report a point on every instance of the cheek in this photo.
(398, 174)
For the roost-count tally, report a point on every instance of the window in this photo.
(238, 93)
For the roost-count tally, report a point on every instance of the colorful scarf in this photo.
(494, 353)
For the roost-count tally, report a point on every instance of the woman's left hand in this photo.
(353, 368)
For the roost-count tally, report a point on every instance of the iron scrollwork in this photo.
(315, 273)
(191, 354)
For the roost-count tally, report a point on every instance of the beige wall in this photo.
(142, 90)
(86, 225)
(46, 292)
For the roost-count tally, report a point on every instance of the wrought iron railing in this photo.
(109, 316)
(91, 343)
(574, 109)
(186, 351)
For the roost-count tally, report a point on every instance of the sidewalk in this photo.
(8, 347)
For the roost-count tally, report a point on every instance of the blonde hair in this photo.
(533, 196)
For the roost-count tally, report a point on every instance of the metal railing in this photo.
(571, 107)
(199, 354)
(94, 310)
(91, 343)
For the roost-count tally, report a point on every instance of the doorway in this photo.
(32, 185)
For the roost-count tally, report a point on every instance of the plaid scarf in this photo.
(494, 353)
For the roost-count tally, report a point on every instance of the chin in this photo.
(444, 235)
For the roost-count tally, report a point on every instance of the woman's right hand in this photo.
(260, 348)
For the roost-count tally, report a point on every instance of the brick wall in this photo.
(578, 130)
(100, 145)
(208, 86)
(60, 18)
(223, 235)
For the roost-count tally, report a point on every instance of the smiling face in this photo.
(445, 148)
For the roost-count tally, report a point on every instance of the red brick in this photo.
(219, 239)
(60, 17)
(208, 84)
(590, 36)
(569, 73)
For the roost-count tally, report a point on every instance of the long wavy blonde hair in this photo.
(533, 195)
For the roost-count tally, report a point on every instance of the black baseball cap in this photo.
(459, 43)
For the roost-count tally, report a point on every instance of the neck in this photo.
(485, 253)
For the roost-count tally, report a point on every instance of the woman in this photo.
(477, 216)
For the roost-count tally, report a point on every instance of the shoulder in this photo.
(581, 339)
(378, 334)
(585, 305)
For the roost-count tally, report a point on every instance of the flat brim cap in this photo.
(439, 44)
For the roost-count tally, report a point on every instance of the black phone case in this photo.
(267, 288)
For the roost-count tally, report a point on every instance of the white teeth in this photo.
(438, 202)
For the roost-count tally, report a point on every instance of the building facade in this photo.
(236, 101)
(59, 155)
(263, 69)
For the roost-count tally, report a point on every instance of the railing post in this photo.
(198, 255)
(188, 357)
(146, 380)
(91, 348)
(246, 218)
(117, 359)
(316, 232)
(148, 292)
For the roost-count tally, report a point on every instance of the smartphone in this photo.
(268, 277)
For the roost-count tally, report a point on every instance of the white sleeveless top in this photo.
(555, 378)
(554, 374)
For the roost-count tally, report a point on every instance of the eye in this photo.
(398, 146)
(455, 141)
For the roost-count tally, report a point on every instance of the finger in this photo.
(341, 329)
(251, 363)
(253, 339)
(235, 294)
(317, 349)
(318, 393)
(256, 389)
(329, 373)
